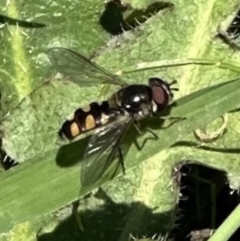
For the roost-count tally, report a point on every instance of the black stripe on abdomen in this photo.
(86, 119)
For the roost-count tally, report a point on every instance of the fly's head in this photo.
(161, 92)
(136, 100)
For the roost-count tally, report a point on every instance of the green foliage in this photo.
(46, 181)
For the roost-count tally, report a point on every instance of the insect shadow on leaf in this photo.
(107, 220)
(114, 22)
(208, 199)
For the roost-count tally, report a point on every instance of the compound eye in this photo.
(159, 94)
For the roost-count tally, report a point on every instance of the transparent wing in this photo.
(102, 149)
(80, 69)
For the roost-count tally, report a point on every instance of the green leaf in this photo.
(24, 64)
(39, 177)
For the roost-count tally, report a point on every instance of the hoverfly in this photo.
(111, 118)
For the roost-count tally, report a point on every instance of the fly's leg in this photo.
(121, 160)
(154, 134)
(102, 195)
(137, 126)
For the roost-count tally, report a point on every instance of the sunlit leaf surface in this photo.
(46, 180)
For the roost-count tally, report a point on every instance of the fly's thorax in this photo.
(86, 119)
(161, 94)
(136, 100)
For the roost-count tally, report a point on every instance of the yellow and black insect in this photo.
(112, 117)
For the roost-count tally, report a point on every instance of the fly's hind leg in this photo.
(121, 160)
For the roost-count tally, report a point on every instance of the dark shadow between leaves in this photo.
(206, 200)
(113, 21)
(230, 35)
(142, 15)
(111, 221)
(6, 162)
(21, 23)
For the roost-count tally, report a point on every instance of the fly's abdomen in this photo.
(86, 119)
